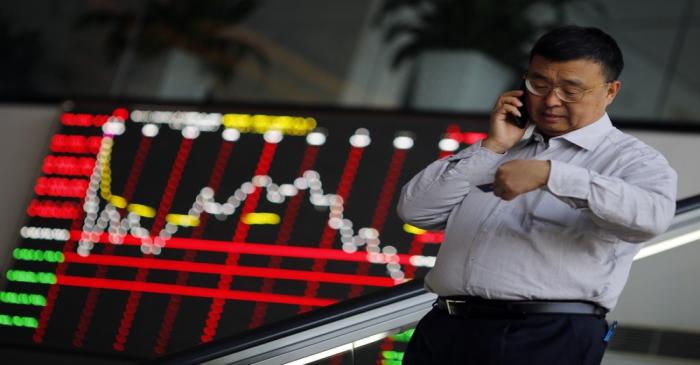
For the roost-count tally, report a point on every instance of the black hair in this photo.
(572, 42)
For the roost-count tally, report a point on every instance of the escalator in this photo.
(374, 328)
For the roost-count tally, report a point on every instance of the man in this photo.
(527, 271)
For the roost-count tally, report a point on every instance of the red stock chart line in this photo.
(178, 223)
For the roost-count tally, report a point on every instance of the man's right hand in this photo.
(503, 134)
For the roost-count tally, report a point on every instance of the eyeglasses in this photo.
(567, 94)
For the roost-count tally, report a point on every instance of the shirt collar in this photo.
(588, 137)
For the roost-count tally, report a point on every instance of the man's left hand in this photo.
(520, 176)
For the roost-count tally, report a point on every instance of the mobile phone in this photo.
(522, 120)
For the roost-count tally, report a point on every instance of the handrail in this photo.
(297, 324)
(687, 204)
(291, 326)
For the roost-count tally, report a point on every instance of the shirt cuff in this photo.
(478, 164)
(488, 152)
(569, 181)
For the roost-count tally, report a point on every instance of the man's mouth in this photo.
(552, 117)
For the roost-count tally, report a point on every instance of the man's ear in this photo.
(613, 89)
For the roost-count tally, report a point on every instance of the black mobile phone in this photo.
(521, 121)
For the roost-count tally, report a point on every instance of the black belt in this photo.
(479, 307)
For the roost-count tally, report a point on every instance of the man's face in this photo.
(554, 117)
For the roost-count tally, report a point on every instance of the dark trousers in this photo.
(542, 339)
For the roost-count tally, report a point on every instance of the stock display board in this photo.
(153, 229)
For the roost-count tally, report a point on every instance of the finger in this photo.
(505, 195)
(508, 197)
(498, 189)
(513, 93)
(511, 109)
(507, 100)
(513, 100)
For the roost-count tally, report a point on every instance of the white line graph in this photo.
(109, 218)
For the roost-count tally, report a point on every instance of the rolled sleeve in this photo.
(428, 198)
(478, 165)
(569, 181)
(634, 206)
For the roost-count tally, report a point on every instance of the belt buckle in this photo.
(450, 306)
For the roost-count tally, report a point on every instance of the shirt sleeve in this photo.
(428, 198)
(635, 205)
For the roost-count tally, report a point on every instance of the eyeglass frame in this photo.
(529, 88)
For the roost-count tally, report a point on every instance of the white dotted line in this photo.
(110, 219)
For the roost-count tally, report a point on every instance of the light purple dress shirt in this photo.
(571, 240)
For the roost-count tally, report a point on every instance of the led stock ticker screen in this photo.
(155, 229)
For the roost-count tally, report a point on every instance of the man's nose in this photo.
(552, 99)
